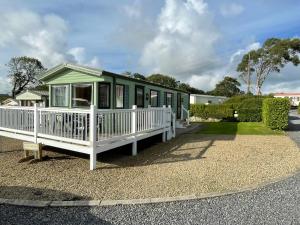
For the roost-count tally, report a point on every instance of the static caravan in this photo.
(206, 99)
(30, 97)
(92, 111)
(74, 86)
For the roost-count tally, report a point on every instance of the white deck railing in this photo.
(185, 113)
(19, 119)
(85, 130)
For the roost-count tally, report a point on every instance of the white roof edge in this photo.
(208, 96)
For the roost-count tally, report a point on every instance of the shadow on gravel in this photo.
(151, 151)
(31, 193)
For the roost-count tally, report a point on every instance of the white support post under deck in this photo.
(164, 124)
(93, 154)
(36, 123)
(133, 129)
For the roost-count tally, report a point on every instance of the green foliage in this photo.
(298, 109)
(211, 111)
(241, 128)
(275, 113)
(3, 97)
(187, 88)
(271, 57)
(249, 107)
(250, 115)
(163, 80)
(23, 73)
(227, 87)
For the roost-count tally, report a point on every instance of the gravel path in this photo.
(188, 165)
(294, 126)
(275, 204)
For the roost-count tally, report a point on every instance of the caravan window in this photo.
(82, 95)
(59, 96)
(139, 96)
(154, 98)
(169, 99)
(119, 96)
(104, 95)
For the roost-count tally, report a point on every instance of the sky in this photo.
(196, 41)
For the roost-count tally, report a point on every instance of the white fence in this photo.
(90, 128)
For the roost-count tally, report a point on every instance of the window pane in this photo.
(169, 99)
(140, 97)
(104, 95)
(154, 98)
(59, 96)
(82, 95)
(119, 96)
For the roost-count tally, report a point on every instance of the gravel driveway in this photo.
(191, 164)
(275, 204)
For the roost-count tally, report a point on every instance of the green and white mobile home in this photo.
(74, 86)
(92, 111)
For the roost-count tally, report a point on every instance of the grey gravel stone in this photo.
(277, 203)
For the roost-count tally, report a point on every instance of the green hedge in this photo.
(275, 113)
(211, 111)
(249, 108)
(250, 115)
(298, 109)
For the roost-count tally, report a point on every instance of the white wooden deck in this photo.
(89, 131)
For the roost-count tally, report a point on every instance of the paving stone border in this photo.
(81, 203)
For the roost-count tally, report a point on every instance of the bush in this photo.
(211, 111)
(249, 107)
(275, 113)
(299, 109)
(250, 115)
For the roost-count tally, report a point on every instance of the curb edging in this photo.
(103, 203)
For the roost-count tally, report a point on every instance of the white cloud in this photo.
(44, 37)
(184, 42)
(240, 52)
(79, 54)
(133, 10)
(232, 9)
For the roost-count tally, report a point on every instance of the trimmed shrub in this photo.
(250, 115)
(198, 110)
(275, 113)
(211, 111)
(249, 108)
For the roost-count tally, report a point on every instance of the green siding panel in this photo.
(71, 76)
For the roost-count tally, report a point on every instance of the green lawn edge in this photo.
(237, 128)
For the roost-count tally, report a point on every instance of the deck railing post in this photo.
(164, 122)
(134, 128)
(169, 121)
(36, 121)
(93, 140)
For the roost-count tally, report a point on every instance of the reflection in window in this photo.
(104, 95)
(119, 96)
(169, 99)
(59, 96)
(154, 98)
(139, 96)
(81, 95)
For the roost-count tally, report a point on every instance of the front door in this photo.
(178, 106)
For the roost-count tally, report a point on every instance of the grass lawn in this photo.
(246, 128)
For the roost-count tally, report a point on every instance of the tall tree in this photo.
(271, 57)
(228, 87)
(163, 80)
(188, 88)
(23, 73)
(139, 76)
